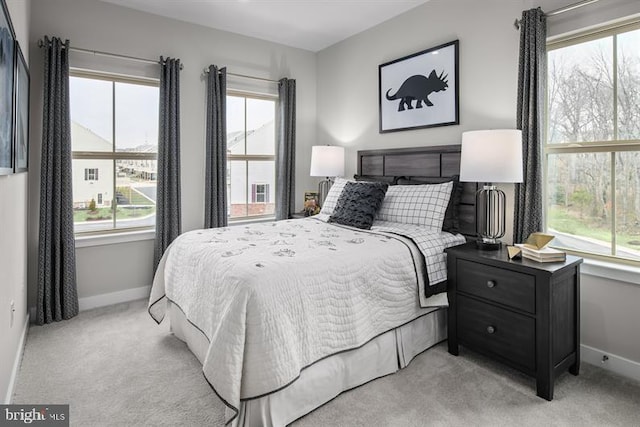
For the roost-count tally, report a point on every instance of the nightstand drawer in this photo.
(498, 331)
(510, 288)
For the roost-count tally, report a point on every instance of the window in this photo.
(91, 174)
(259, 193)
(251, 145)
(114, 142)
(592, 145)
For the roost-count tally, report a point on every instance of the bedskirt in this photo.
(328, 377)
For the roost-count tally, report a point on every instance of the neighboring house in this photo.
(145, 170)
(93, 179)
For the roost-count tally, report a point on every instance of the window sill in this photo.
(114, 238)
(609, 270)
(231, 223)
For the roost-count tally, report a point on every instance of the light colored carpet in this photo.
(116, 367)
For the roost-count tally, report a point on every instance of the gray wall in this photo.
(348, 75)
(348, 110)
(101, 26)
(13, 235)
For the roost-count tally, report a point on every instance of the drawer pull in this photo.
(491, 329)
(491, 284)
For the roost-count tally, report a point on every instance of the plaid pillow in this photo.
(416, 204)
(451, 216)
(332, 197)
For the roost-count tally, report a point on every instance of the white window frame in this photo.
(612, 147)
(264, 193)
(250, 157)
(113, 155)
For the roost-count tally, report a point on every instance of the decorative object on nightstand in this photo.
(326, 161)
(491, 156)
(311, 205)
(539, 240)
(514, 252)
(522, 313)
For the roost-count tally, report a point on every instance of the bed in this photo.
(285, 316)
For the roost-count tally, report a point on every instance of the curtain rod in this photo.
(206, 71)
(113, 55)
(561, 10)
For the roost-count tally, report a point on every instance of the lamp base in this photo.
(484, 245)
(490, 217)
(323, 190)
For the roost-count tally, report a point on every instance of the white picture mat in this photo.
(393, 75)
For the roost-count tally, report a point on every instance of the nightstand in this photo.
(298, 215)
(522, 313)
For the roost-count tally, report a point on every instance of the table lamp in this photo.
(326, 161)
(491, 156)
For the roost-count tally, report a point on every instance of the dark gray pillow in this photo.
(358, 204)
(451, 216)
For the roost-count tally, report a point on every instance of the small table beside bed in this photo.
(284, 316)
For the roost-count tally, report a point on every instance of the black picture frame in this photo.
(21, 113)
(7, 70)
(420, 90)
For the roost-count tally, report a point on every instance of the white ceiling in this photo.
(307, 24)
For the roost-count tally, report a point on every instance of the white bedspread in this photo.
(274, 298)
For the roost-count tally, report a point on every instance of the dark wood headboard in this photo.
(437, 161)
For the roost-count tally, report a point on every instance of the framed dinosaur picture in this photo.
(420, 90)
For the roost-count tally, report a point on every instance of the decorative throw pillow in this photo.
(417, 204)
(358, 204)
(451, 221)
(332, 197)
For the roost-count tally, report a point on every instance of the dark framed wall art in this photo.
(21, 111)
(420, 90)
(7, 69)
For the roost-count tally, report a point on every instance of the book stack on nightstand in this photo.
(523, 313)
(545, 254)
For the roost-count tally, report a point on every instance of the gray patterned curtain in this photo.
(286, 149)
(168, 216)
(215, 184)
(532, 76)
(57, 293)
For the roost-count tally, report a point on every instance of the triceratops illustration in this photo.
(419, 88)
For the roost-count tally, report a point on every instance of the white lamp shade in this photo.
(327, 160)
(491, 156)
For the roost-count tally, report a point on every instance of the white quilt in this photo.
(274, 298)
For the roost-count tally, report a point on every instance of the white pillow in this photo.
(423, 204)
(333, 196)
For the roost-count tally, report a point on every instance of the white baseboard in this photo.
(619, 365)
(87, 303)
(16, 362)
